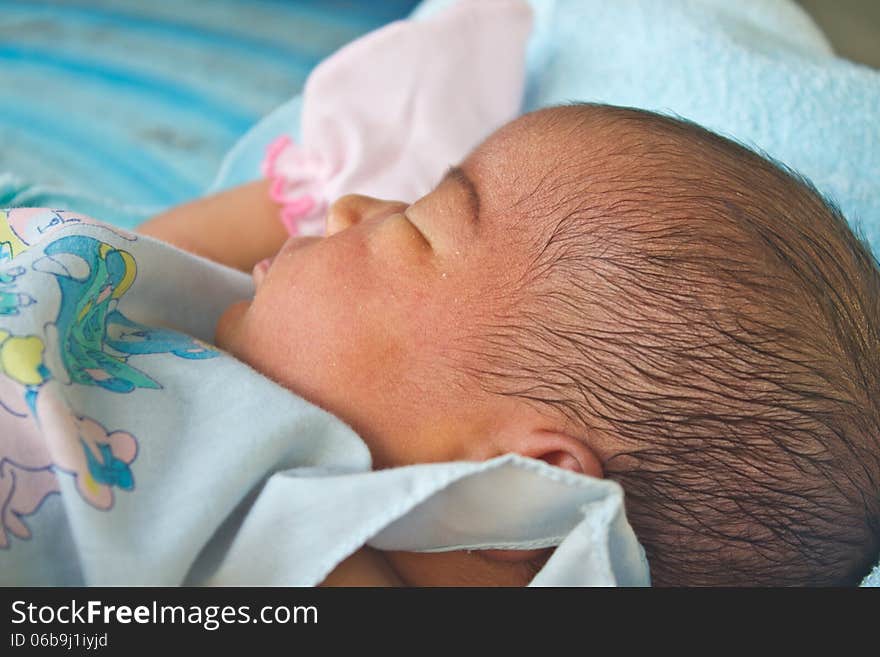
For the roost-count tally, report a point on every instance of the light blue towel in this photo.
(873, 579)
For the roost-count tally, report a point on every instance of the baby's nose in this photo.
(354, 208)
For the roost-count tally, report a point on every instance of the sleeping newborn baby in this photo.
(614, 292)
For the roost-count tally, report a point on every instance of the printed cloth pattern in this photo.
(88, 341)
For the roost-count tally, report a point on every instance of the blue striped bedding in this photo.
(139, 100)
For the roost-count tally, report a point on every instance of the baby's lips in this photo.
(293, 243)
(260, 269)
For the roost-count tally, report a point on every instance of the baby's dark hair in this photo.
(706, 308)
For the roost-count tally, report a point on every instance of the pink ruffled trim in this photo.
(297, 177)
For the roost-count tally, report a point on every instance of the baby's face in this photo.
(372, 322)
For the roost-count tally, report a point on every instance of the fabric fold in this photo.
(306, 522)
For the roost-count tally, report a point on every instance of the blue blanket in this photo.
(130, 105)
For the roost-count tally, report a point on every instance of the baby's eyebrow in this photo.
(458, 174)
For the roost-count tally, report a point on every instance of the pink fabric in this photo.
(388, 113)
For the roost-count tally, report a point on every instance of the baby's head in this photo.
(617, 293)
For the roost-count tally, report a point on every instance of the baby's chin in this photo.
(229, 326)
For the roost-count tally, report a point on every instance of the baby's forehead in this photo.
(580, 155)
(529, 143)
(564, 145)
(540, 162)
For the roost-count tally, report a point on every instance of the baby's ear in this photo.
(569, 461)
(558, 449)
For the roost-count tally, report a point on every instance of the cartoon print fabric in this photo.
(90, 342)
(116, 412)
